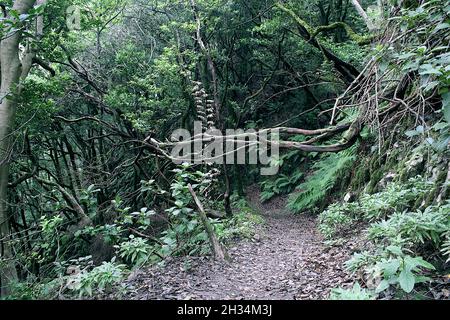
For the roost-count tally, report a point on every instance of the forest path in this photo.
(286, 260)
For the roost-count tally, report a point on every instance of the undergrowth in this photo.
(81, 278)
(409, 245)
(328, 172)
(407, 222)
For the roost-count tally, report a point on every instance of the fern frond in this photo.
(328, 172)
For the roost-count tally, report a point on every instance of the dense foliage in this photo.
(88, 193)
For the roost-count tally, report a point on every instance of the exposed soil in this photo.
(286, 260)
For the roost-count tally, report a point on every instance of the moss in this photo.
(297, 19)
(360, 177)
(431, 197)
(314, 32)
(413, 165)
(375, 177)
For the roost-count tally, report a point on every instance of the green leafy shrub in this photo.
(417, 227)
(387, 265)
(391, 267)
(25, 290)
(360, 261)
(111, 233)
(402, 271)
(334, 220)
(136, 251)
(87, 198)
(396, 197)
(101, 279)
(283, 185)
(51, 229)
(339, 217)
(186, 235)
(327, 173)
(355, 293)
(241, 225)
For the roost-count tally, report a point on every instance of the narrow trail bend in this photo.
(286, 260)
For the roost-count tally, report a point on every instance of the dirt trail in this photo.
(286, 260)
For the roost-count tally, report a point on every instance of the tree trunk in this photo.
(12, 69)
(8, 272)
(363, 14)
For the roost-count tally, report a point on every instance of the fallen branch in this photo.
(216, 248)
(361, 40)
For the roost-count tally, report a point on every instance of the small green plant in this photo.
(391, 267)
(334, 220)
(101, 279)
(111, 233)
(360, 261)
(282, 185)
(417, 227)
(136, 251)
(241, 225)
(355, 293)
(401, 270)
(140, 219)
(396, 197)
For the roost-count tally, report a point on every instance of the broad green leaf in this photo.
(422, 279)
(395, 250)
(428, 69)
(179, 203)
(391, 267)
(407, 281)
(421, 262)
(410, 263)
(384, 284)
(446, 106)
